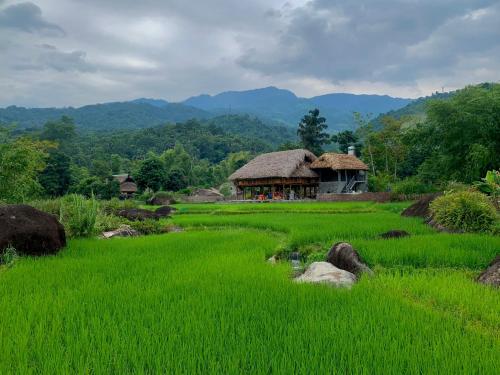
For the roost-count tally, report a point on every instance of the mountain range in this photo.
(272, 105)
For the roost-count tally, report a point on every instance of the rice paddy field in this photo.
(206, 301)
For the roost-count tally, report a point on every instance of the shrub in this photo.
(50, 206)
(114, 205)
(106, 222)
(8, 256)
(412, 185)
(380, 182)
(78, 215)
(468, 211)
(148, 226)
(225, 189)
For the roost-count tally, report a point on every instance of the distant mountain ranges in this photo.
(272, 105)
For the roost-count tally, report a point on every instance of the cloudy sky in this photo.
(76, 52)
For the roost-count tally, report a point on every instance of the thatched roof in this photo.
(284, 164)
(128, 187)
(338, 161)
(121, 178)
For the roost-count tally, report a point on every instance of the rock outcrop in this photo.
(421, 207)
(345, 257)
(491, 276)
(30, 231)
(137, 214)
(164, 211)
(324, 272)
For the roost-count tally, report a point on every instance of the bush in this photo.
(50, 206)
(79, 215)
(114, 205)
(380, 182)
(8, 256)
(467, 211)
(106, 222)
(412, 185)
(148, 226)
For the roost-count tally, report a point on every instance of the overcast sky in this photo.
(76, 52)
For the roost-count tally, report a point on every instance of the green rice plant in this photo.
(79, 215)
(467, 211)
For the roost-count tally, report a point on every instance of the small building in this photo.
(128, 187)
(279, 175)
(341, 173)
(298, 174)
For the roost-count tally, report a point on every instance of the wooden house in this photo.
(298, 174)
(128, 187)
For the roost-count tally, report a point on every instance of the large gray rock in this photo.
(345, 257)
(324, 272)
(491, 276)
(138, 214)
(30, 231)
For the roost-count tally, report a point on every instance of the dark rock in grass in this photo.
(421, 207)
(395, 234)
(164, 211)
(160, 201)
(30, 231)
(138, 214)
(345, 257)
(491, 276)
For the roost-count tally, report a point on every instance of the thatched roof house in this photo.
(280, 164)
(338, 162)
(277, 173)
(128, 186)
(299, 173)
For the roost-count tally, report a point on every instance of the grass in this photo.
(204, 301)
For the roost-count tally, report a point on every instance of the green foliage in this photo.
(148, 226)
(114, 205)
(56, 177)
(8, 256)
(21, 160)
(380, 182)
(98, 187)
(345, 139)
(79, 215)
(312, 133)
(412, 185)
(50, 206)
(175, 180)
(490, 185)
(107, 222)
(151, 174)
(466, 211)
(225, 189)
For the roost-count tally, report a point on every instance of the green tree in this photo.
(345, 139)
(56, 177)
(312, 133)
(151, 174)
(175, 180)
(63, 132)
(21, 161)
(100, 188)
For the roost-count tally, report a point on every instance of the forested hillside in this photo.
(120, 115)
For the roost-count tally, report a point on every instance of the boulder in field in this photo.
(421, 207)
(345, 257)
(164, 211)
(137, 214)
(324, 272)
(395, 234)
(30, 231)
(122, 231)
(159, 201)
(491, 276)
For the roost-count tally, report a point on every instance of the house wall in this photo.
(333, 187)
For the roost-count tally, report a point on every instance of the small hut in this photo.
(341, 173)
(128, 187)
(277, 175)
